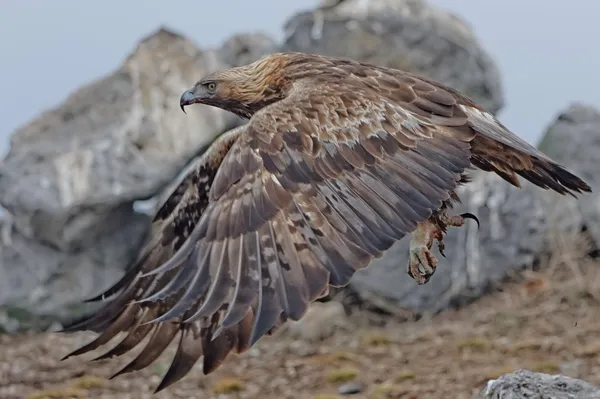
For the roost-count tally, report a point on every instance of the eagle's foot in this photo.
(457, 220)
(422, 263)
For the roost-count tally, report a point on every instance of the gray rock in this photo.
(573, 140)
(111, 142)
(350, 388)
(41, 285)
(72, 176)
(407, 34)
(321, 321)
(516, 225)
(526, 384)
(243, 49)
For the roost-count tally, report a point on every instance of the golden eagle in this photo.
(339, 160)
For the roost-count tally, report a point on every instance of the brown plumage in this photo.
(339, 160)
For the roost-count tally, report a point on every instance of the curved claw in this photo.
(468, 215)
(441, 247)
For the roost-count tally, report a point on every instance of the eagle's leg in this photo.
(422, 263)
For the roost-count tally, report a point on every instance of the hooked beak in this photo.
(189, 97)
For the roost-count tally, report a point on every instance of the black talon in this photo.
(468, 215)
(441, 247)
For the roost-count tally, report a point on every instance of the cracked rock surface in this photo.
(527, 384)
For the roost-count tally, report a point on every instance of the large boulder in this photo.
(412, 35)
(242, 49)
(574, 140)
(527, 384)
(41, 286)
(116, 140)
(516, 225)
(73, 175)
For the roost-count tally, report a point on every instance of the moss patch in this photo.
(343, 374)
(228, 385)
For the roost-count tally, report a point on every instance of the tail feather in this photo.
(549, 175)
(496, 149)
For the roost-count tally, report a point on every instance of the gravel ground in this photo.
(548, 322)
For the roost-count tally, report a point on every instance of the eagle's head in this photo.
(245, 89)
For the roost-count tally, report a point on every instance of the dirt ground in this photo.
(548, 322)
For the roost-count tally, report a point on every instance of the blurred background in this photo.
(537, 45)
(92, 138)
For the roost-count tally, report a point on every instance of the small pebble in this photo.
(254, 352)
(350, 388)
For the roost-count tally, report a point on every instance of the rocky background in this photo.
(81, 181)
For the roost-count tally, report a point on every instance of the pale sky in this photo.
(547, 51)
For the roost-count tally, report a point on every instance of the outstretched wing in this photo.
(171, 226)
(493, 149)
(316, 187)
(312, 189)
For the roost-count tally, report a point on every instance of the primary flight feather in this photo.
(339, 160)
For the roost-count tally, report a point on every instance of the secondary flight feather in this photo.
(338, 160)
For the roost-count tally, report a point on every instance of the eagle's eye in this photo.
(211, 87)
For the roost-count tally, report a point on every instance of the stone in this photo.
(573, 140)
(242, 49)
(321, 321)
(111, 142)
(42, 286)
(412, 35)
(72, 176)
(527, 384)
(81, 180)
(516, 228)
(350, 388)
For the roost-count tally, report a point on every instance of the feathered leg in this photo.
(422, 263)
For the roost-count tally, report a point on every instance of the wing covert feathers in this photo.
(309, 191)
